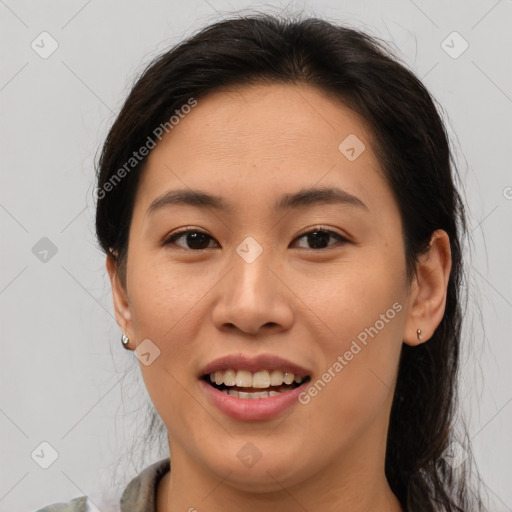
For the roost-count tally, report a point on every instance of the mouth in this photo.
(248, 388)
(247, 385)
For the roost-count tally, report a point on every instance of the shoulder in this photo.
(75, 505)
(141, 492)
(138, 496)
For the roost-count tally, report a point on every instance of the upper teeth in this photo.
(246, 379)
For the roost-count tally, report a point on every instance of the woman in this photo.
(283, 238)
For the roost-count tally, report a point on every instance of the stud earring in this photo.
(418, 332)
(125, 341)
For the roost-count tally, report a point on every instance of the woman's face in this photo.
(255, 287)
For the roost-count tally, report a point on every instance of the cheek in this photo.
(352, 298)
(163, 299)
(166, 309)
(355, 388)
(361, 313)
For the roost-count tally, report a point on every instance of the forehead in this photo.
(265, 140)
(266, 120)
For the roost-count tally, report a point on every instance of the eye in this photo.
(196, 240)
(199, 240)
(319, 238)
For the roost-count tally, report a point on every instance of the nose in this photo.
(253, 298)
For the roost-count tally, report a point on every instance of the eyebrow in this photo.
(301, 199)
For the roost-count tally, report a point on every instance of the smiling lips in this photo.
(253, 364)
(247, 385)
(253, 388)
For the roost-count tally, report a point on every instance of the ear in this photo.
(120, 297)
(427, 297)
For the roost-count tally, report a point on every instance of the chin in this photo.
(265, 473)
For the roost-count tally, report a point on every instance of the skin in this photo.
(251, 145)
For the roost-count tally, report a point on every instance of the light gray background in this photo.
(61, 361)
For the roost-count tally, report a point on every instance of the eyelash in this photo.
(318, 229)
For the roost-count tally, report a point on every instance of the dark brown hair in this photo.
(413, 149)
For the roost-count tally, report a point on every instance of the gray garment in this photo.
(138, 496)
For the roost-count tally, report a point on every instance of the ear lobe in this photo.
(427, 298)
(119, 296)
